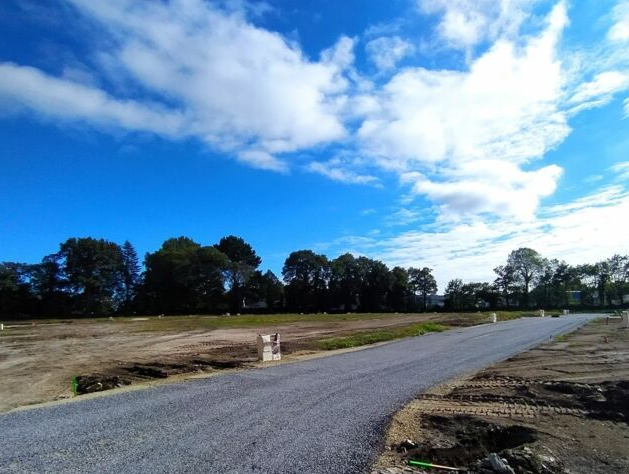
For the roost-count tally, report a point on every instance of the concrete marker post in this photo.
(269, 347)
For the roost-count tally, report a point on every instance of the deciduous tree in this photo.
(306, 275)
(94, 272)
(422, 283)
(242, 264)
(527, 265)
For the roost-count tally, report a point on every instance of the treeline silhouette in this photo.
(96, 277)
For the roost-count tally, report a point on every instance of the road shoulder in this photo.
(561, 407)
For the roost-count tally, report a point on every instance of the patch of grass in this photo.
(509, 315)
(560, 338)
(174, 324)
(373, 337)
(188, 323)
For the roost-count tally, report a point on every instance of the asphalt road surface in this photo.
(326, 415)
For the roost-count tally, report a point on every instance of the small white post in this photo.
(494, 318)
(625, 318)
(566, 311)
(541, 313)
(1, 327)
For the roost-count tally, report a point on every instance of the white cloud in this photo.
(619, 32)
(622, 170)
(461, 137)
(262, 160)
(586, 231)
(465, 139)
(601, 89)
(465, 23)
(488, 186)
(593, 178)
(403, 216)
(385, 52)
(217, 77)
(67, 99)
(334, 170)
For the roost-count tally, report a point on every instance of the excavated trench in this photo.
(463, 440)
(126, 375)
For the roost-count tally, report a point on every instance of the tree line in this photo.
(90, 276)
(528, 280)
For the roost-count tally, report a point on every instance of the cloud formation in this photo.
(63, 98)
(335, 170)
(465, 23)
(453, 135)
(619, 32)
(586, 230)
(386, 51)
(240, 88)
(468, 139)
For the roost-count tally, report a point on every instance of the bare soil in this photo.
(560, 408)
(38, 360)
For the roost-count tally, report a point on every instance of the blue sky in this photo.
(419, 132)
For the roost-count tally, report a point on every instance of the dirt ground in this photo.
(560, 408)
(38, 360)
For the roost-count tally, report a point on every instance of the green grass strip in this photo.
(373, 337)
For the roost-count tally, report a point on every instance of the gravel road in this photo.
(325, 415)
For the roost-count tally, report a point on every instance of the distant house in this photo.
(574, 297)
(435, 301)
(260, 304)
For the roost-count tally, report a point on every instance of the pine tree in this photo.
(131, 271)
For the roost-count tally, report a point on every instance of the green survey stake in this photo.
(434, 466)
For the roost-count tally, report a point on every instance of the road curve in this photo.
(325, 415)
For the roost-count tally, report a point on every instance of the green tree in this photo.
(487, 293)
(274, 291)
(243, 262)
(207, 277)
(505, 282)
(49, 286)
(602, 273)
(588, 276)
(565, 279)
(346, 279)
(400, 290)
(183, 277)
(94, 272)
(375, 285)
(15, 292)
(265, 287)
(306, 275)
(619, 276)
(454, 295)
(545, 289)
(130, 273)
(527, 265)
(423, 283)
